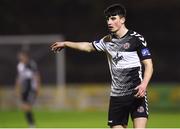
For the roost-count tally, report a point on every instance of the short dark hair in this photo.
(115, 9)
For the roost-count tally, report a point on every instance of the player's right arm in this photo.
(81, 46)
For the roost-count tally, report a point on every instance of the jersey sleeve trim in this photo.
(94, 46)
(144, 58)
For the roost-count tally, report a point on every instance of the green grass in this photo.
(81, 119)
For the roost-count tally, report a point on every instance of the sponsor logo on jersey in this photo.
(145, 52)
(117, 58)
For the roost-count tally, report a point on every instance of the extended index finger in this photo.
(54, 44)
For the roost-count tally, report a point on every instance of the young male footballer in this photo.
(126, 52)
(27, 85)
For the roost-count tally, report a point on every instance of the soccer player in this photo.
(127, 52)
(27, 84)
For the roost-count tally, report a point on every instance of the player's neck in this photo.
(121, 32)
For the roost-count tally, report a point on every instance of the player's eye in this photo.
(113, 18)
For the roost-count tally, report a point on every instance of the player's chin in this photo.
(112, 30)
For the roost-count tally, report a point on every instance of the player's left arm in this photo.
(148, 71)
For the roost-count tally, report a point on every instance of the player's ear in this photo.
(122, 19)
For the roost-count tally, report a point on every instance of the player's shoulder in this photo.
(139, 38)
(104, 39)
(20, 66)
(33, 63)
(135, 34)
(107, 38)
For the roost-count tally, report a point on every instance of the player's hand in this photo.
(57, 46)
(141, 90)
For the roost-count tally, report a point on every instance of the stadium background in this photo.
(87, 78)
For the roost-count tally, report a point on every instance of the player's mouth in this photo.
(110, 27)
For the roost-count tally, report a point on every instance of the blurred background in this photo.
(79, 81)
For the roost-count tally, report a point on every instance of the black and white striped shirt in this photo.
(124, 57)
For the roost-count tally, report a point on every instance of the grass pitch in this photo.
(81, 119)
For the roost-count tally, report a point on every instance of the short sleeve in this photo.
(33, 66)
(99, 45)
(142, 49)
(20, 67)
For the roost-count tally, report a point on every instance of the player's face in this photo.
(115, 23)
(23, 58)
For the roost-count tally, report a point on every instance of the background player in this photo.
(27, 84)
(126, 52)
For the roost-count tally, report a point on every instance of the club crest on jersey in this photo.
(145, 52)
(126, 45)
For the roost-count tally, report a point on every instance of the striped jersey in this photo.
(124, 57)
